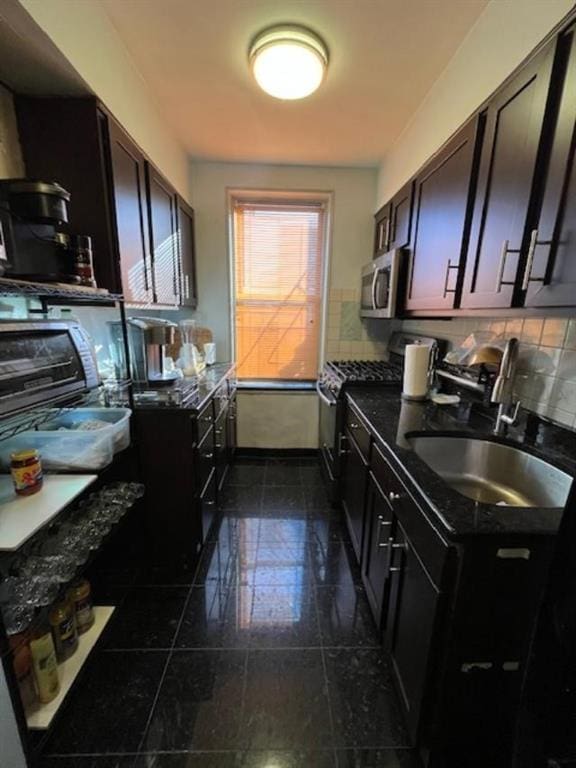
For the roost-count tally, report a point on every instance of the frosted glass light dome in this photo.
(288, 62)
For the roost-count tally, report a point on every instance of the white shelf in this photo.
(41, 715)
(22, 516)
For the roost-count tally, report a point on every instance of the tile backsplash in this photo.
(546, 381)
(347, 336)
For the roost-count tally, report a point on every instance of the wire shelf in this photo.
(57, 291)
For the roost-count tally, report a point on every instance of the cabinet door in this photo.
(411, 614)
(221, 446)
(401, 217)
(129, 192)
(382, 231)
(500, 227)
(550, 273)
(231, 426)
(375, 562)
(163, 237)
(186, 254)
(441, 223)
(354, 493)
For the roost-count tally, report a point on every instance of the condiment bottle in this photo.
(22, 661)
(64, 632)
(26, 470)
(81, 598)
(44, 663)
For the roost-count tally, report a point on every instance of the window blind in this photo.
(278, 265)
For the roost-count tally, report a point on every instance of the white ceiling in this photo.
(384, 56)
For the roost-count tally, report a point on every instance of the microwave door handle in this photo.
(374, 282)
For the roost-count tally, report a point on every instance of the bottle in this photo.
(26, 471)
(80, 597)
(22, 661)
(44, 663)
(64, 632)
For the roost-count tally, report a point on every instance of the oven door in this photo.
(329, 429)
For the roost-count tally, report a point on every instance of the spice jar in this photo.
(26, 470)
(22, 662)
(64, 632)
(80, 596)
(44, 663)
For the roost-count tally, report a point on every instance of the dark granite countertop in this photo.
(195, 390)
(455, 516)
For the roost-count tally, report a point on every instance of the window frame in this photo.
(279, 195)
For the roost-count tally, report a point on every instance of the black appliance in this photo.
(43, 362)
(33, 243)
(336, 377)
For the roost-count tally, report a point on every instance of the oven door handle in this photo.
(323, 397)
(374, 282)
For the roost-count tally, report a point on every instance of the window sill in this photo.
(276, 385)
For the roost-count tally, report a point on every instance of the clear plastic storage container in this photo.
(62, 451)
(117, 425)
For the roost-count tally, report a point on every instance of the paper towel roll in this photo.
(416, 372)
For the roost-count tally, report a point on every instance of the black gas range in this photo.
(337, 375)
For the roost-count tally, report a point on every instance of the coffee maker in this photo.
(147, 341)
(34, 243)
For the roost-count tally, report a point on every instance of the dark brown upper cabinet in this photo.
(442, 202)
(549, 276)
(128, 189)
(393, 222)
(163, 232)
(382, 230)
(401, 217)
(186, 253)
(500, 234)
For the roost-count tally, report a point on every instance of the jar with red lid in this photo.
(26, 471)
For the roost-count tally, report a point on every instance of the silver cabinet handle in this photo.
(384, 523)
(208, 456)
(501, 265)
(393, 496)
(447, 290)
(387, 235)
(353, 425)
(394, 569)
(187, 286)
(530, 259)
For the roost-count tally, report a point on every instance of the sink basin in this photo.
(490, 472)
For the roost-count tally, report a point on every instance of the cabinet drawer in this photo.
(205, 421)
(359, 432)
(430, 547)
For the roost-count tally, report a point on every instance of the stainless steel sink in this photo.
(492, 473)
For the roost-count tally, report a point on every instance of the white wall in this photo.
(504, 34)
(11, 164)
(278, 420)
(11, 752)
(352, 227)
(84, 34)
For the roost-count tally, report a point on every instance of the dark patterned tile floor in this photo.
(266, 656)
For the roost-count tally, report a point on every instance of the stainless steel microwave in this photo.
(43, 362)
(380, 285)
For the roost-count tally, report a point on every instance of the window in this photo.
(278, 251)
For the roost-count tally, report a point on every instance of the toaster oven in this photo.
(43, 362)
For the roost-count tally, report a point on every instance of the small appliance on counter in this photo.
(34, 241)
(148, 338)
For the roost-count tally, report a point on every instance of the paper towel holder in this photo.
(432, 359)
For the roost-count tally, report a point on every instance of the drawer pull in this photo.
(395, 569)
(470, 666)
(353, 425)
(384, 522)
(513, 553)
(207, 455)
(393, 496)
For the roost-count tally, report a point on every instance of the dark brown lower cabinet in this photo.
(354, 481)
(409, 624)
(375, 562)
(221, 446)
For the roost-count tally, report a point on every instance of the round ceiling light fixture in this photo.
(288, 61)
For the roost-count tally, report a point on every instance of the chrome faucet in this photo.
(503, 391)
